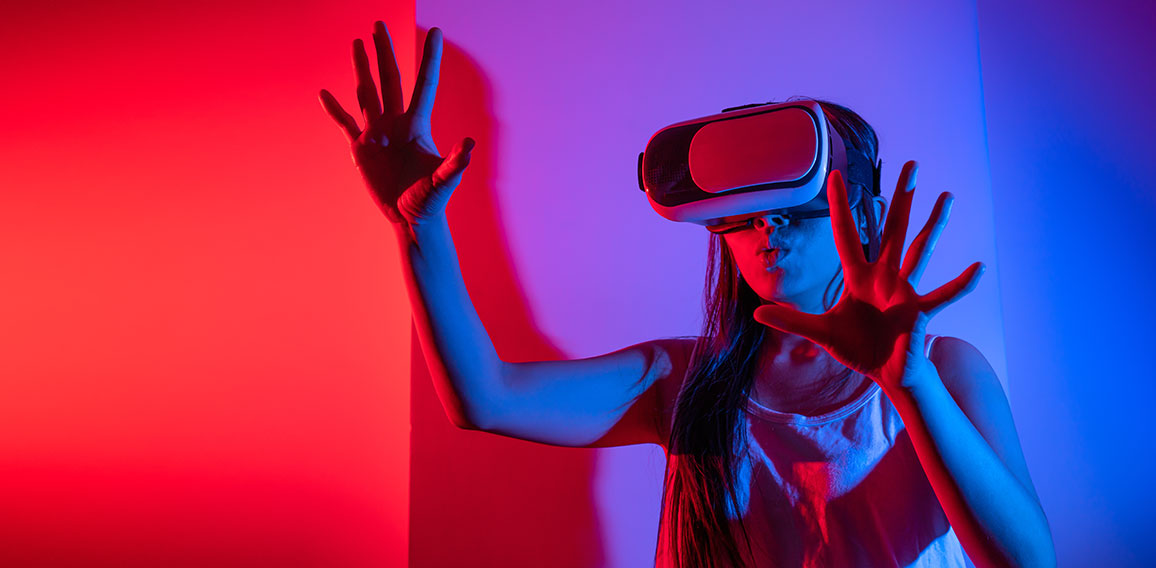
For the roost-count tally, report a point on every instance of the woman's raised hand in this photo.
(395, 151)
(878, 326)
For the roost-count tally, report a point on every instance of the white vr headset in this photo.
(750, 161)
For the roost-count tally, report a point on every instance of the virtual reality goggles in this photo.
(727, 168)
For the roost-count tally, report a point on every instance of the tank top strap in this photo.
(928, 343)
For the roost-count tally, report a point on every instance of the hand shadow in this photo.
(478, 499)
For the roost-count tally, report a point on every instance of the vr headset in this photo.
(724, 169)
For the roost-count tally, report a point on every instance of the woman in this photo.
(800, 430)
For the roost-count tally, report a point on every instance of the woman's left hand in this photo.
(878, 326)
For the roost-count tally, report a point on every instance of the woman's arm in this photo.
(462, 361)
(606, 400)
(961, 426)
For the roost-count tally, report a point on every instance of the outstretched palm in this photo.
(395, 151)
(878, 326)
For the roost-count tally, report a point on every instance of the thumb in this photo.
(790, 320)
(449, 174)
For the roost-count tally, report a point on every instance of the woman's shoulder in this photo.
(683, 344)
(680, 351)
(967, 375)
(976, 388)
(953, 354)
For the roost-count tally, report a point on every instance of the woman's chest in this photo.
(825, 459)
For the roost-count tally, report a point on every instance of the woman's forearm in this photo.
(462, 361)
(996, 518)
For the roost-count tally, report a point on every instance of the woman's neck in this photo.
(795, 375)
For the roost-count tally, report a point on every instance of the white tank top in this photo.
(841, 489)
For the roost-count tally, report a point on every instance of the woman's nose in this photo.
(770, 221)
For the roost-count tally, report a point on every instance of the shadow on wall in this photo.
(478, 499)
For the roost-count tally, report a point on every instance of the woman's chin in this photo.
(771, 290)
(775, 294)
(771, 296)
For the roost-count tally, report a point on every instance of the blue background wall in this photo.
(1069, 90)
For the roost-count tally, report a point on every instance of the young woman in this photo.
(814, 423)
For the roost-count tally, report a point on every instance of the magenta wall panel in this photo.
(564, 257)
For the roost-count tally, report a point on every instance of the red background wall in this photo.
(201, 327)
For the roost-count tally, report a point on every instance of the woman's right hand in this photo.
(395, 152)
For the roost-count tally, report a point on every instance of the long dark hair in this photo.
(700, 489)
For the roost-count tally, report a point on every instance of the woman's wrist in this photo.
(916, 377)
(416, 228)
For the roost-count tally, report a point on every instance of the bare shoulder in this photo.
(961, 365)
(976, 388)
(679, 350)
(968, 376)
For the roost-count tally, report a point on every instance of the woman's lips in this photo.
(770, 257)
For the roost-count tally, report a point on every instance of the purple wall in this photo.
(1068, 89)
(564, 257)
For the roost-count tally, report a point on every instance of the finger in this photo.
(421, 104)
(338, 114)
(895, 228)
(366, 88)
(451, 169)
(947, 294)
(387, 71)
(790, 320)
(921, 248)
(846, 235)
